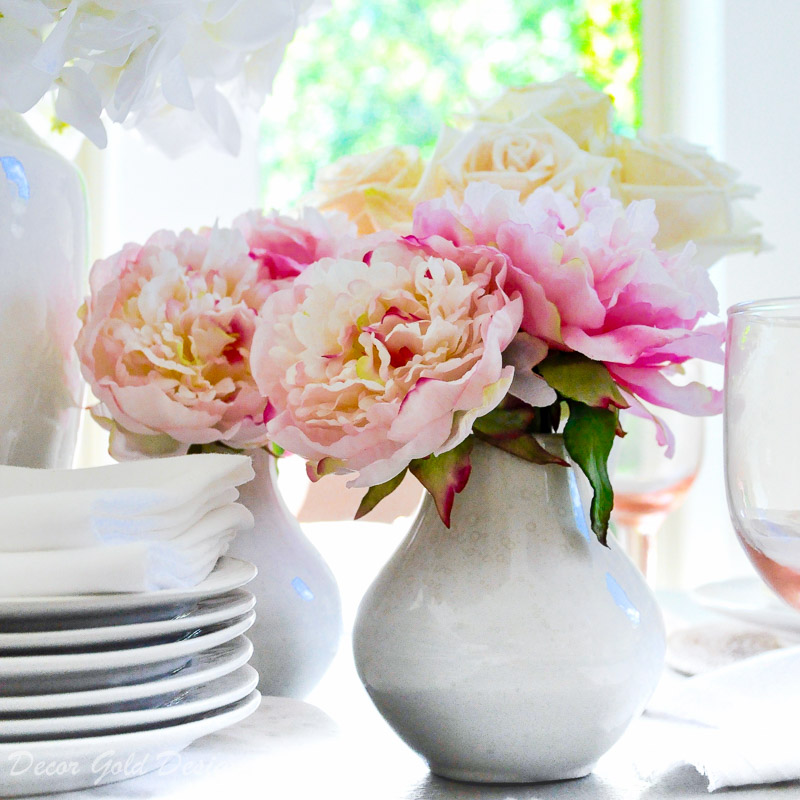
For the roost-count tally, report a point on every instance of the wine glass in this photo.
(648, 486)
(762, 438)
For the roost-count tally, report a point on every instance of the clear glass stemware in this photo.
(647, 485)
(762, 438)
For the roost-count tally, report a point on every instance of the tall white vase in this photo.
(512, 647)
(43, 252)
(298, 610)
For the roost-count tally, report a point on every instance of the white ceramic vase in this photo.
(298, 624)
(43, 252)
(513, 647)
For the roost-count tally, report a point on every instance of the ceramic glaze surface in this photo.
(513, 647)
(43, 251)
(299, 616)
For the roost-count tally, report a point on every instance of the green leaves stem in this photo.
(377, 493)
(588, 437)
(576, 377)
(445, 475)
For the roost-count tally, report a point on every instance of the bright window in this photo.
(377, 72)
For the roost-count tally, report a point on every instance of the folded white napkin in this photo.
(157, 498)
(134, 527)
(130, 567)
(126, 566)
(736, 725)
(143, 486)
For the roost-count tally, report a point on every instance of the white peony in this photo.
(170, 69)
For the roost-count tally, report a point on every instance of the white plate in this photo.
(205, 666)
(206, 613)
(748, 599)
(64, 765)
(76, 672)
(207, 697)
(229, 574)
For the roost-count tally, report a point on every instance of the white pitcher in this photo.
(513, 647)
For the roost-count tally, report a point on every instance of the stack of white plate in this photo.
(92, 686)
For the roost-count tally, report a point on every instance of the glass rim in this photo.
(777, 307)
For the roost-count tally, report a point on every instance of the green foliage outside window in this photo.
(377, 72)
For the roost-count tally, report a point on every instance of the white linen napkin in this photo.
(736, 725)
(126, 566)
(157, 498)
(145, 486)
(135, 527)
(130, 567)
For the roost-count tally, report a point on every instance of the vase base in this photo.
(509, 776)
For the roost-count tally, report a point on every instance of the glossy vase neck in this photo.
(299, 621)
(43, 259)
(14, 126)
(262, 495)
(506, 495)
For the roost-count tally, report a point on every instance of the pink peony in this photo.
(283, 246)
(165, 343)
(371, 364)
(593, 282)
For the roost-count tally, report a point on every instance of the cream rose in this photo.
(696, 196)
(374, 189)
(583, 113)
(521, 155)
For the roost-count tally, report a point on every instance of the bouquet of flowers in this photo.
(505, 310)
(168, 327)
(558, 134)
(168, 68)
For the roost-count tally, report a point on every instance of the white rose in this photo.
(374, 189)
(697, 197)
(521, 155)
(583, 113)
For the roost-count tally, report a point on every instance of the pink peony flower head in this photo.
(594, 283)
(372, 364)
(165, 343)
(284, 246)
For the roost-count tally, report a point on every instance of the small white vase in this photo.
(298, 624)
(43, 252)
(513, 647)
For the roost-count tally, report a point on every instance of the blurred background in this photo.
(376, 72)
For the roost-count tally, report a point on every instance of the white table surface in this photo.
(291, 750)
(337, 747)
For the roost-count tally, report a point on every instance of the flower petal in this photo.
(693, 399)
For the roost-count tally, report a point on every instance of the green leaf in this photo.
(444, 476)
(377, 493)
(505, 422)
(588, 437)
(274, 449)
(524, 446)
(577, 377)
